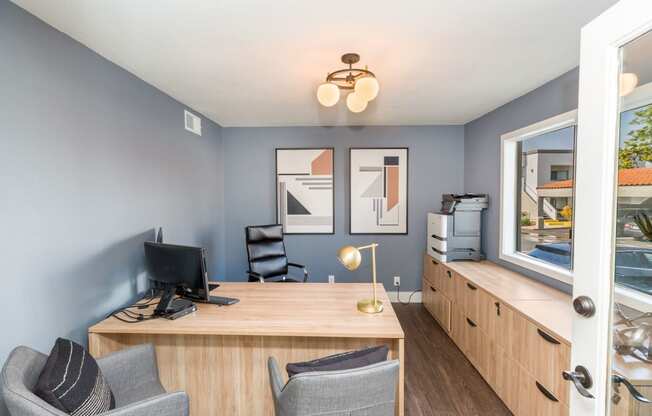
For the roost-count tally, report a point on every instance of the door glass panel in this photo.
(632, 320)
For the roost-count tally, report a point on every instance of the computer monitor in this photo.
(180, 269)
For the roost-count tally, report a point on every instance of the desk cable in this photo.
(398, 295)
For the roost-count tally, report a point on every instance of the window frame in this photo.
(510, 164)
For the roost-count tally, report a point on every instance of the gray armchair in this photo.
(365, 391)
(131, 373)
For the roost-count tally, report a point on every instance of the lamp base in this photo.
(369, 306)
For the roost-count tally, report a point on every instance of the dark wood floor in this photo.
(439, 380)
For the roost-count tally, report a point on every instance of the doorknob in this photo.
(584, 306)
(581, 379)
(618, 379)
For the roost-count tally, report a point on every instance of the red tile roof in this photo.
(626, 177)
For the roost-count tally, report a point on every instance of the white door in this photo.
(613, 245)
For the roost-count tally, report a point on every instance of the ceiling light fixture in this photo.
(362, 83)
(628, 82)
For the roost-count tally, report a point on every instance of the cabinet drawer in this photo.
(546, 357)
(447, 282)
(537, 400)
(427, 295)
(430, 269)
(467, 295)
(437, 304)
(494, 318)
(467, 337)
(442, 307)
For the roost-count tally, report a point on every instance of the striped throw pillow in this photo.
(72, 382)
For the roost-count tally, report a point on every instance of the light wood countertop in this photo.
(278, 309)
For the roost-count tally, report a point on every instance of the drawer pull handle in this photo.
(433, 289)
(470, 322)
(434, 262)
(470, 286)
(547, 337)
(497, 308)
(546, 393)
(448, 272)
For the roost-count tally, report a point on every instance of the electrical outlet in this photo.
(331, 278)
(397, 280)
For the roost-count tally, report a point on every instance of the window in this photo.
(537, 196)
(560, 173)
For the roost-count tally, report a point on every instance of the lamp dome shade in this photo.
(356, 103)
(328, 94)
(350, 257)
(367, 88)
(628, 81)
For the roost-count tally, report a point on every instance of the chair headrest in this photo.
(259, 233)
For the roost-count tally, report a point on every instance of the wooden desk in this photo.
(218, 355)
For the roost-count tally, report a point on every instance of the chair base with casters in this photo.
(268, 261)
(131, 373)
(364, 391)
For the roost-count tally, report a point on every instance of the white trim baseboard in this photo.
(405, 294)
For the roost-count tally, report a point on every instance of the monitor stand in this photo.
(171, 307)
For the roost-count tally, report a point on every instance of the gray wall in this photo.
(91, 160)
(436, 158)
(482, 151)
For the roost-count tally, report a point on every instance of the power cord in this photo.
(398, 295)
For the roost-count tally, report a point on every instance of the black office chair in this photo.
(266, 253)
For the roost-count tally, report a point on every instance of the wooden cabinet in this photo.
(494, 318)
(545, 359)
(536, 400)
(447, 282)
(467, 296)
(437, 304)
(519, 358)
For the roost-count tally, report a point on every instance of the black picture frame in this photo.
(332, 149)
(407, 189)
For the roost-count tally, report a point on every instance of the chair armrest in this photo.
(168, 404)
(256, 275)
(126, 369)
(275, 378)
(301, 266)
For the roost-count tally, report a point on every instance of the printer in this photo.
(454, 233)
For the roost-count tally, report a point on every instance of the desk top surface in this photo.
(277, 309)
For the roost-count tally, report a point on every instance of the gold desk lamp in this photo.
(351, 258)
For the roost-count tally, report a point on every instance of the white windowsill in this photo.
(549, 270)
(633, 299)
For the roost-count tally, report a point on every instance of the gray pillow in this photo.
(342, 361)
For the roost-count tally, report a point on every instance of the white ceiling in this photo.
(258, 62)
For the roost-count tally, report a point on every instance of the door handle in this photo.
(618, 379)
(581, 379)
(584, 306)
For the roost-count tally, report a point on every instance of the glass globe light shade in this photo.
(367, 88)
(628, 81)
(356, 103)
(328, 94)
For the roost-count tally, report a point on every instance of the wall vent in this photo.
(192, 122)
